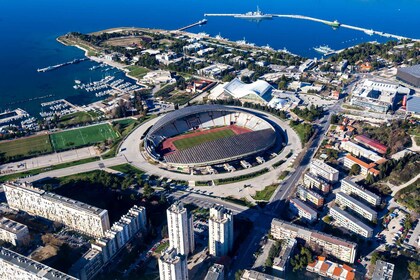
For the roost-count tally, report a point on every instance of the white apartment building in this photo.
(172, 266)
(16, 266)
(308, 195)
(13, 232)
(320, 168)
(180, 229)
(216, 272)
(345, 200)
(74, 214)
(359, 151)
(349, 187)
(312, 181)
(302, 210)
(331, 245)
(347, 221)
(220, 231)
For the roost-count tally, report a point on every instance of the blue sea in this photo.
(29, 30)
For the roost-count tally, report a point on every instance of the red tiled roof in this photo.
(360, 162)
(372, 143)
(350, 276)
(324, 267)
(337, 271)
(348, 268)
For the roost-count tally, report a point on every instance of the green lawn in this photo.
(127, 169)
(78, 117)
(80, 137)
(161, 247)
(25, 147)
(190, 142)
(137, 71)
(266, 193)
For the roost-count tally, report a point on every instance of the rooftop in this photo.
(11, 226)
(383, 271)
(356, 202)
(303, 206)
(413, 104)
(412, 70)
(351, 218)
(354, 185)
(323, 165)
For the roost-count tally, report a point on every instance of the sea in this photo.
(28, 32)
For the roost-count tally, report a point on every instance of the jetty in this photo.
(201, 22)
(53, 67)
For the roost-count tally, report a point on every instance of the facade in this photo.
(220, 231)
(345, 200)
(74, 214)
(13, 232)
(216, 272)
(359, 151)
(180, 229)
(308, 195)
(410, 75)
(172, 266)
(16, 266)
(312, 181)
(255, 275)
(281, 261)
(299, 208)
(347, 221)
(365, 168)
(351, 188)
(383, 271)
(331, 245)
(320, 168)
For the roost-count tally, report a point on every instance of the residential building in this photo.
(215, 70)
(347, 221)
(307, 195)
(331, 245)
(216, 272)
(172, 265)
(359, 151)
(74, 214)
(344, 200)
(313, 181)
(88, 265)
(365, 168)
(280, 262)
(299, 208)
(180, 229)
(371, 143)
(16, 266)
(158, 77)
(330, 269)
(308, 64)
(255, 275)
(351, 188)
(410, 75)
(13, 232)
(220, 231)
(168, 58)
(383, 270)
(320, 168)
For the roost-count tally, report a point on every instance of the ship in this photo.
(324, 50)
(255, 15)
(219, 37)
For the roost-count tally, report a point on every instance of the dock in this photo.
(201, 22)
(53, 67)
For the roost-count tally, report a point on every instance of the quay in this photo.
(201, 22)
(333, 24)
(53, 67)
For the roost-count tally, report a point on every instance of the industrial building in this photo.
(345, 200)
(180, 228)
(410, 75)
(351, 188)
(320, 168)
(215, 70)
(13, 232)
(347, 221)
(299, 208)
(312, 181)
(413, 106)
(172, 265)
(74, 214)
(307, 195)
(331, 245)
(220, 231)
(16, 266)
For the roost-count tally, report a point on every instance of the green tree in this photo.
(355, 169)
(414, 270)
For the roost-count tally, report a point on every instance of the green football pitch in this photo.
(80, 137)
(189, 142)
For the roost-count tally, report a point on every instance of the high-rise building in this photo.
(220, 231)
(180, 229)
(172, 265)
(77, 215)
(320, 168)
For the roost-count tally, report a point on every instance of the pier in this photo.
(334, 24)
(53, 67)
(201, 22)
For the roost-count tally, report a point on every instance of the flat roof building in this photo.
(339, 248)
(410, 75)
(322, 169)
(255, 275)
(347, 221)
(299, 208)
(313, 181)
(413, 105)
(307, 195)
(13, 232)
(345, 200)
(172, 265)
(216, 272)
(383, 271)
(281, 261)
(349, 187)
(180, 228)
(220, 231)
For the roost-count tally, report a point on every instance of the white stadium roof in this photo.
(253, 91)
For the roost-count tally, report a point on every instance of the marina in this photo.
(325, 50)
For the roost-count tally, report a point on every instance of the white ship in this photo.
(255, 15)
(324, 49)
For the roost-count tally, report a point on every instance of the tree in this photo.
(147, 190)
(414, 270)
(355, 169)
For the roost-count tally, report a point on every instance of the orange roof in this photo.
(348, 268)
(342, 127)
(321, 258)
(312, 264)
(324, 267)
(350, 276)
(350, 128)
(337, 271)
(374, 171)
(360, 162)
(380, 161)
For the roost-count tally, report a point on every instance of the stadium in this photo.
(206, 135)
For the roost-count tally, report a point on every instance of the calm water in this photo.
(28, 30)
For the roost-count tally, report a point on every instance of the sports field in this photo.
(24, 147)
(80, 137)
(193, 140)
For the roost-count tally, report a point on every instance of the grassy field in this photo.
(137, 71)
(80, 137)
(266, 193)
(26, 147)
(127, 169)
(186, 143)
(78, 117)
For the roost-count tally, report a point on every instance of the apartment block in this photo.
(312, 181)
(280, 262)
(331, 245)
(351, 188)
(311, 196)
(13, 232)
(365, 168)
(299, 208)
(366, 212)
(74, 214)
(172, 265)
(180, 228)
(320, 168)
(216, 272)
(347, 221)
(359, 151)
(220, 231)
